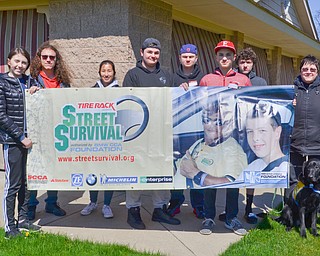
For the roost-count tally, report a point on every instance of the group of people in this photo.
(48, 70)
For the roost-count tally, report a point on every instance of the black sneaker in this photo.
(55, 209)
(13, 233)
(222, 216)
(161, 215)
(251, 218)
(32, 212)
(26, 225)
(174, 206)
(134, 218)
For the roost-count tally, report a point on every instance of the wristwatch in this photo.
(197, 178)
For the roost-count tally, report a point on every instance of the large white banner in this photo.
(159, 138)
(100, 139)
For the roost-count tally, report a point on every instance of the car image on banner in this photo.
(188, 132)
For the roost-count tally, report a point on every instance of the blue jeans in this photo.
(232, 197)
(196, 196)
(52, 197)
(107, 196)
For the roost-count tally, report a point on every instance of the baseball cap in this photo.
(189, 48)
(151, 43)
(225, 44)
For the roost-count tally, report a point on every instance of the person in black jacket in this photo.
(305, 140)
(188, 74)
(246, 60)
(148, 73)
(13, 136)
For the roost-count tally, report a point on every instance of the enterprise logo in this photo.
(155, 179)
(104, 179)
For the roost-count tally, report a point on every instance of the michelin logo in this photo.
(163, 179)
(104, 179)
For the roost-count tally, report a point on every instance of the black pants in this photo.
(15, 160)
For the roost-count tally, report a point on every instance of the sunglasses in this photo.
(45, 57)
(216, 122)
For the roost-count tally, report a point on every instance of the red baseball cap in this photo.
(225, 44)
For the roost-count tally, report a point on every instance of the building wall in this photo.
(90, 31)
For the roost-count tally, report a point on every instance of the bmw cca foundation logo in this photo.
(91, 180)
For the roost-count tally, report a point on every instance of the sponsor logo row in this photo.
(77, 179)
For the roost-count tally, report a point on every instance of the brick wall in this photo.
(89, 31)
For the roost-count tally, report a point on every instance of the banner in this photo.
(159, 138)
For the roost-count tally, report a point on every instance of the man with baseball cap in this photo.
(148, 73)
(188, 74)
(223, 75)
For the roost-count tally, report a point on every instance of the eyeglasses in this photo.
(45, 57)
(312, 70)
(216, 122)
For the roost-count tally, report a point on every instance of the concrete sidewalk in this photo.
(183, 239)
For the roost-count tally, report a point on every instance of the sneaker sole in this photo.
(108, 216)
(86, 213)
(235, 231)
(205, 231)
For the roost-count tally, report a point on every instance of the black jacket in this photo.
(179, 77)
(306, 131)
(142, 77)
(254, 79)
(12, 109)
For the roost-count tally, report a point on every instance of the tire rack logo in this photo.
(155, 179)
(129, 118)
(104, 179)
(76, 180)
(91, 179)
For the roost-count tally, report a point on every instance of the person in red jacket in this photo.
(224, 75)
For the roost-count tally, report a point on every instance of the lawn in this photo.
(45, 244)
(270, 238)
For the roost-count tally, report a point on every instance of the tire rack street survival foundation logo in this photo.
(129, 118)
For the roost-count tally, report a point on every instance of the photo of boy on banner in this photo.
(263, 129)
(245, 142)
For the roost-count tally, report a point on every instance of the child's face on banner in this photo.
(262, 137)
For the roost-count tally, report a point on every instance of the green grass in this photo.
(270, 238)
(45, 244)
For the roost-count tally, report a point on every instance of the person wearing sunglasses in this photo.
(13, 136)
(305, 140)
(50, 71)
(216, 159)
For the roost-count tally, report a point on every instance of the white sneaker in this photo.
(107, 212)
(89, 209)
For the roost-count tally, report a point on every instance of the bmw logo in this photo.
(91, 180)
